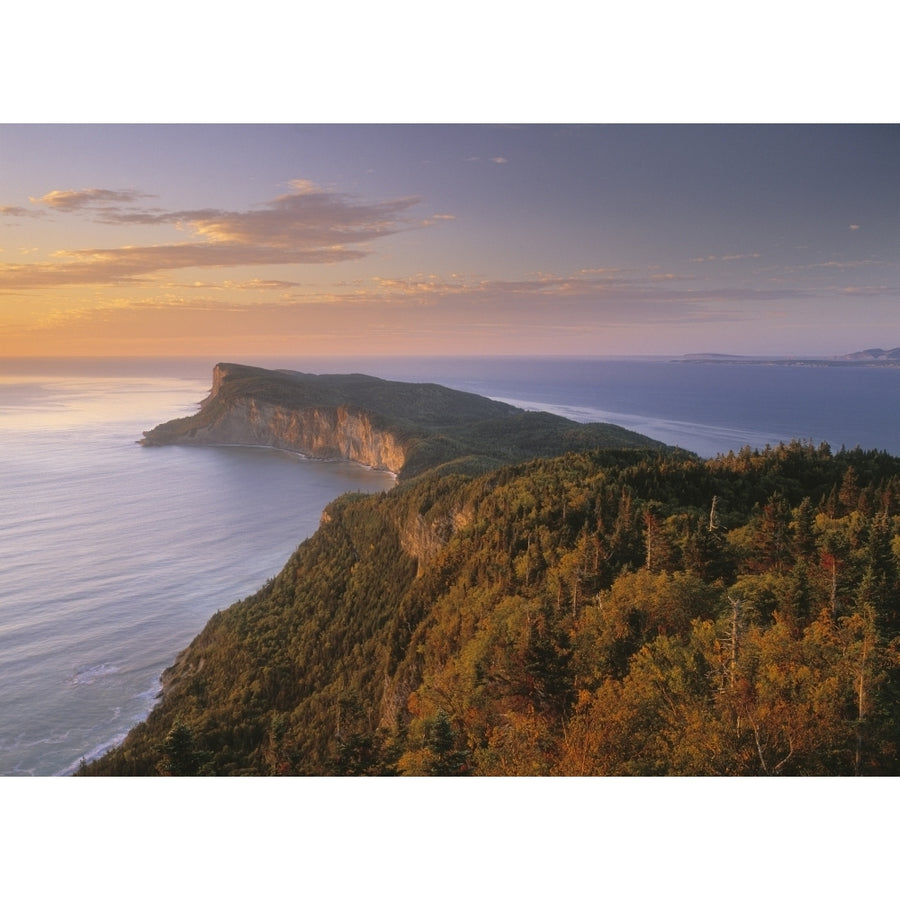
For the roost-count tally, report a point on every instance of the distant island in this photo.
(874, 357)
(401, 427)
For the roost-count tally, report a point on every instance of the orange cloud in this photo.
(69, 201)
(20, 212)
(423, 313)
(309, 225)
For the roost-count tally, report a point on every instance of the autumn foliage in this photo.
(603, 613)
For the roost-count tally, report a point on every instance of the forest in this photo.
(613, 612)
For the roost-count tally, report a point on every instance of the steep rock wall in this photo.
(330, 433)
(422, 538)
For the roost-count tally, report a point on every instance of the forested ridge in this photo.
(610, 612)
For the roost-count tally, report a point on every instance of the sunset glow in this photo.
(253, 240)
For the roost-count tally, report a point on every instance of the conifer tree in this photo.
(440, 741)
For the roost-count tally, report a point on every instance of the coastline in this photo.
(82, 437)
(706, 440)
(286, 450)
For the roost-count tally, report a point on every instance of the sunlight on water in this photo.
(56, 403)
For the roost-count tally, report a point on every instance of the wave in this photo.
(90, 674)
(145, 701)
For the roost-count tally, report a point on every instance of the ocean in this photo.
(113, 556)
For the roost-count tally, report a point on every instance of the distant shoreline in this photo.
(789, 361)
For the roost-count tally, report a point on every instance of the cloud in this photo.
(133, 264)
(117, 215)
(590, 296)
(500, 160)
(731, 257)
(871, 290)
(20, 212)
(854, 227)
(254, 284)
(71, 201)
(307, 219)
(426, 309)
(836, 264)
(308, 225)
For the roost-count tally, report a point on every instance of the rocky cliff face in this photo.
(330, 433)
(422, 538)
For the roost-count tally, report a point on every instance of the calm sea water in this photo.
(113, 556)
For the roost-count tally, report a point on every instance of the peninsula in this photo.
(404, 428)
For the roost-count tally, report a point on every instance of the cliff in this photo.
(401, 427)
(325, 432)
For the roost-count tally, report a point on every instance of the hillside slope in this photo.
(614, 612)
(402, 427)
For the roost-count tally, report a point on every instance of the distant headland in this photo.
(873, 357)
(405, 428)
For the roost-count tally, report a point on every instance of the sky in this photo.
(238, 241)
